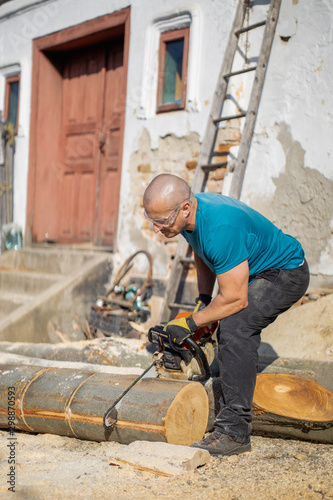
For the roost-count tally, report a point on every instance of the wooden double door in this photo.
(79, 123)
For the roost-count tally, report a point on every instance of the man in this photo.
(260, 272)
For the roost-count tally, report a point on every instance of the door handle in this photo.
(101, 145)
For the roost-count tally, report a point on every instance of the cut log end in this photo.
(294, 397)
(187, 416)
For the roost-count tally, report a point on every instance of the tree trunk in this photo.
(320, 371)
(293, 406)
(116, 351)
(73, 403)
(16, 359)
(285, 405)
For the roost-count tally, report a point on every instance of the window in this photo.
(172, 77)
(12, 100)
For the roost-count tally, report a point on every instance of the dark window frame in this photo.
(9, 80)
(165, 37)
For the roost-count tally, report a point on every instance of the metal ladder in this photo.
(182, 260)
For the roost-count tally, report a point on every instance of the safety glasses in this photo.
(168, 220)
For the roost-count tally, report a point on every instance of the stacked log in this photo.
(115, 351)
(73, 402)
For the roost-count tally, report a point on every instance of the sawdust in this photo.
(52, 467)
(304, 332)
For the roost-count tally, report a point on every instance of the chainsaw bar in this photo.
(111, 415)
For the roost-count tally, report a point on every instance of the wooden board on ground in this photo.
(160, 458)
(17, 359)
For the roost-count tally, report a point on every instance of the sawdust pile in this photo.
(56, 467)
(304, 332)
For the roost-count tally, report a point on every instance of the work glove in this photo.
(180, 329)
(202, 301)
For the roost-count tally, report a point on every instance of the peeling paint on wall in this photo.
(175, 155)
(302, 203)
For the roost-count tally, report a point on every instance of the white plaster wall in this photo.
(213, 30)
(297, 92)
(297, 89)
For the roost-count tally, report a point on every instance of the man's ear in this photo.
(186, 209)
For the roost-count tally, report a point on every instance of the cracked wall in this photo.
(302, 203)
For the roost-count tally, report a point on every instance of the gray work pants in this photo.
(271, 293)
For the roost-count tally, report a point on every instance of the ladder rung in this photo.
(212, 166)
(187, 307)
(218, 154)
(240, 72)
(232, 117)
(187, 260)
(249, 28)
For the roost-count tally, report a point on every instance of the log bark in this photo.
(73, 402)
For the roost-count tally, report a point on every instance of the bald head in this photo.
(167, 191)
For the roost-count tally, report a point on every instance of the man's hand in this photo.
(201, 302)
(180, 329)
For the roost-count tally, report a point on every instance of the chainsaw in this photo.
(191, 360)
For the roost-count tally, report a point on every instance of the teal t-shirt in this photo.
(227, 232)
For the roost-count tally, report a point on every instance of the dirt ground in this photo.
(53, 467)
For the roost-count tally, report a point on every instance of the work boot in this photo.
(222, 444)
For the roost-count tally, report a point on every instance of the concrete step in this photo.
(26, 282)
(11, 301)
(38, 284)
(51, 261)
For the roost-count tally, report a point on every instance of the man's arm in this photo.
(232, 297)
(205, 277)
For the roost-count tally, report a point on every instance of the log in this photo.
(17, 359)
(73, 402)
(320, 371)
(116, 351)
(285, 405)
(293, 406)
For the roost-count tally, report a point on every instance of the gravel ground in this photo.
(54, 467)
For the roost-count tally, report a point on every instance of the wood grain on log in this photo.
(293, 406)
(294, 397)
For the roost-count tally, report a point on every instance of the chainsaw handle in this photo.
(193, 346)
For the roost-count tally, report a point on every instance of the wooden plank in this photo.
(160, 458)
